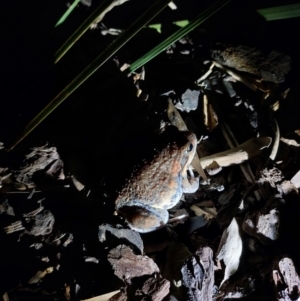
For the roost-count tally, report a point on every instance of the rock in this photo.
(271, 67)
(127, 265)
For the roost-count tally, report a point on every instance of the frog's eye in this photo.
(190, 147)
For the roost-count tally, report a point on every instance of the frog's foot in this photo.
(190, 183)
(144, 219)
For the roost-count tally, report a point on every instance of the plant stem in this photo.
(81, 30)
(67, 13)
(142, 21)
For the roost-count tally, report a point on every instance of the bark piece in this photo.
(272, 67)
(130, 236)
(37, 222)
(198, 275)
(41, 158)
(43, 224)
(290, 277)
(127, 265)
(152, 289)
(268, 224)
(263, 226)
(5, 208)
(271, 176)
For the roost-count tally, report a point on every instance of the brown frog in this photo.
(157, 184)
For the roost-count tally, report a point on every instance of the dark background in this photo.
(29, 40)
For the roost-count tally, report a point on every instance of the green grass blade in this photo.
(67, 13)
(142, 21)
(280, 12)
(182, 23)
(177, 35)
(81, 30)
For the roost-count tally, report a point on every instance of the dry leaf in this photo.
(67, 293)
(39, 275)
(210, 116)
(230, 249)
(290, 142)
(199, 212)
(285, 93)
(175, 118)
(237, 155)
(5, 297)
(211, 210)
(172, 5)
(296, 179)
(275, 106)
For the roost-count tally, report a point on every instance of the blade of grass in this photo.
(67, 13)
(216, 6)
(280, 12)
(82, 29)
(142, 21)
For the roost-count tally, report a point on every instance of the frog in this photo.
(158, 183)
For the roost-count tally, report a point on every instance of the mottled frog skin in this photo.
(157, 184)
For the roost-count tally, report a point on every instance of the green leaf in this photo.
(157, 27)
(182, 23)
(216, 6)
(67, 13)
(280, 12)
(82, 29)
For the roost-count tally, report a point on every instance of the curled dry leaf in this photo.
(237, 155)
(230, 249)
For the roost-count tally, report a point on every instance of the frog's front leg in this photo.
(144, 219)
(190, 183)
